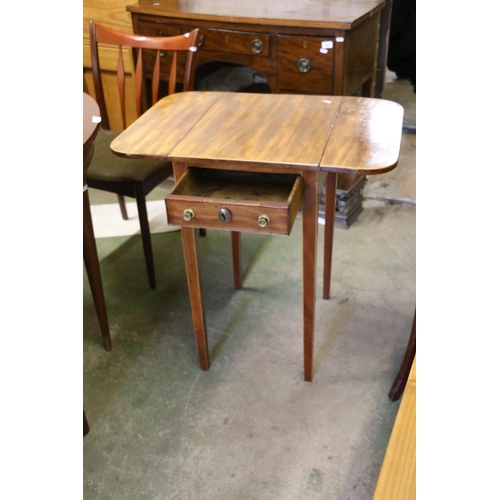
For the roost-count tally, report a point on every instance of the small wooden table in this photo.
(266, 134)
(90, 129)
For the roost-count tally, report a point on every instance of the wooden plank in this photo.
(108, 58)
(112, 13)
(397, 479)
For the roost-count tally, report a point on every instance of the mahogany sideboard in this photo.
(299, 46)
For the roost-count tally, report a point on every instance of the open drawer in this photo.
(235, 201)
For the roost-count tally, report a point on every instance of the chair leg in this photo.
(145, 233)
(94, 272)
(402, 377)
(86, 427)
(123, 207)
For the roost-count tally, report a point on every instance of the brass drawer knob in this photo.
(225, 215)
(264, 220)
(304, 65)
(257, 46)
(188, 214)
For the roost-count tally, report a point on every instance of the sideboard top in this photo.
(336, 14)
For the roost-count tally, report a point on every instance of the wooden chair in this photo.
(131, 177)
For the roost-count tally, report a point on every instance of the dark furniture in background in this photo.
(402, 49)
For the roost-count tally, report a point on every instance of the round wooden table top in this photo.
(90, 127)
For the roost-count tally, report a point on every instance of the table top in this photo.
(90, 109)
(90, 128)
(337, 14)
(330, 133)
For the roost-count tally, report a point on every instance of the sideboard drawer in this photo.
(236, 42)
(305, 65)
(235, 201)
(160, 29)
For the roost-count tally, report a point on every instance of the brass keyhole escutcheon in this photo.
(257, 46)
(304, 45)
(226, 39)
(264, 220)
(188, 214)
(225, 215)
(304, 65)
(201, 41)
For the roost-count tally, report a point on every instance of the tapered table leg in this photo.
(93, 271)
(309, 237)
(236, 251)
(330, 197)
(189, 244)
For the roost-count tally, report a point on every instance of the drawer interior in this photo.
(234, 200)
(234, 185)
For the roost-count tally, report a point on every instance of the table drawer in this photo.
(305, 64)
(236, 42)
(235, 201)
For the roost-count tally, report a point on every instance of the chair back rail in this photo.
(100, 34)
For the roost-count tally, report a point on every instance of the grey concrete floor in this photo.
(250, 427)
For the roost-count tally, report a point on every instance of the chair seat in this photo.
(106, 166)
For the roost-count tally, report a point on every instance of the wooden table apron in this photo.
(272, 133)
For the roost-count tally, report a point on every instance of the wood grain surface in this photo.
(397, 479)
(366, 137)
(155, 133)
(341, 14)
(262, 128)
(332, 133)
